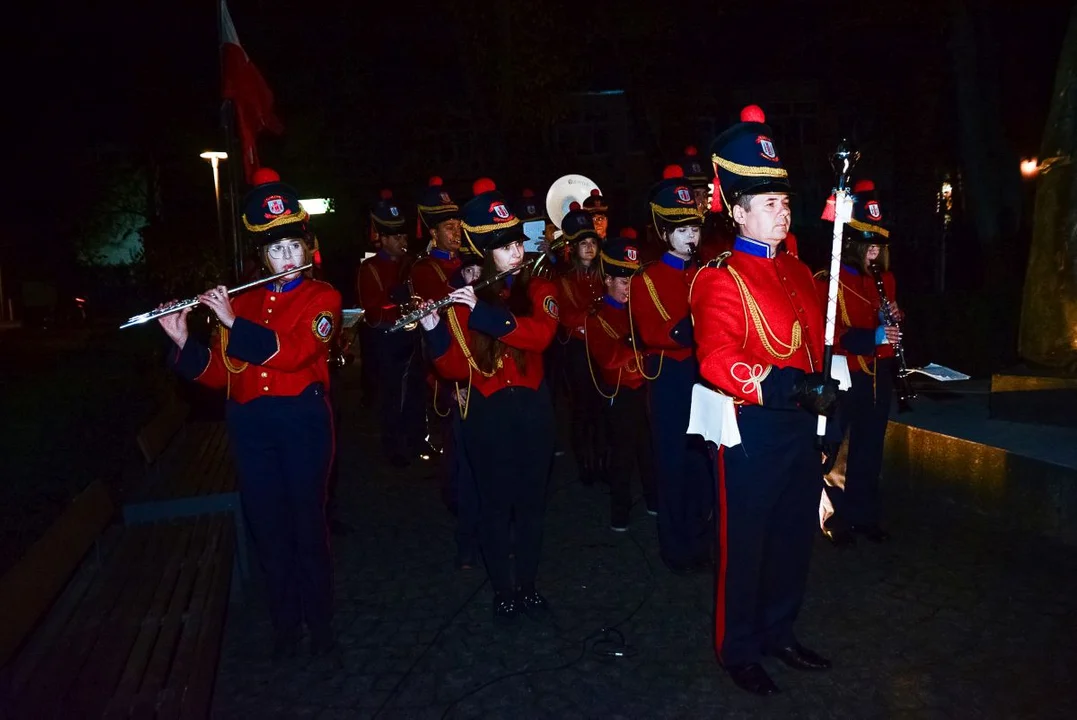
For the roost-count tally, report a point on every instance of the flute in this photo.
(416, 315)
(177, 307)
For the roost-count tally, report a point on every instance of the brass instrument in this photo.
(179, 306)
(412, 318)
(566, 190)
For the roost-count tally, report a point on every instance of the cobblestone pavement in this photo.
(956, 618)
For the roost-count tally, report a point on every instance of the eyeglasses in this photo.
(279, 250)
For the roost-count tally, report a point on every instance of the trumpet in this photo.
(418, 314)
(179, 306)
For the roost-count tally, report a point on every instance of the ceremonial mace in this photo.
(842, 162)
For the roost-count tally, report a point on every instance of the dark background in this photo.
(386, 95)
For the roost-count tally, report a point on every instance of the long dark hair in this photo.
(486, 348)
(854, 253)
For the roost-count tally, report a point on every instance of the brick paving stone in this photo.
(957, 617)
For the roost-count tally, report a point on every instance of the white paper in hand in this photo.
(714, 417)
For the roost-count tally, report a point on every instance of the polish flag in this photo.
(251, 97)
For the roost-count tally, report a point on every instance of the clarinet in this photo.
(901, 380)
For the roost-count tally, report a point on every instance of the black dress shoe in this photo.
(752, 678)
(839, 536)
(799, 657)
(531, 602)
(505, 609)
(874, 533)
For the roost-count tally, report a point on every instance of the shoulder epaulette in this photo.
(719, 261)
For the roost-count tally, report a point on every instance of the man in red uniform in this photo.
(383, 288)
(271, 356)
(441, 218)
(759, 336)
(868, 342)
(616, 375)
(658, 306)
(596, 206)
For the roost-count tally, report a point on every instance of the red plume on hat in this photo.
(483, 185)
(435, 181)
(752, 113)
(629, 233)
(264, 176)
(691, 151)
(528, 193)
(672, 171)
(386, 194)
(863, 186)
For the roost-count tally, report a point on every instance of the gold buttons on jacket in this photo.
(272, 298)
(265, 388)
(265, 374)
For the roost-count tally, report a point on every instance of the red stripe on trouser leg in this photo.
(719, 602)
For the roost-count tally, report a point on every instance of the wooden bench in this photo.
(137, 631)
(189, 472)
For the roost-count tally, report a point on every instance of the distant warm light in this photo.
(947, 190)
(1030, 168)
(214, 155)
(317, 206)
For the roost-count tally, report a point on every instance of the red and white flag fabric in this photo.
(247, 89)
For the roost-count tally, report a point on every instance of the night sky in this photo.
(146, 74)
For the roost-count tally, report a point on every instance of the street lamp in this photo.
(215, 157)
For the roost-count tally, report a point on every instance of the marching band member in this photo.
(493, 341)
(868, 342)
(595, 205)
(618, 379)
(271, 356)
(580, 286)
(658, 306)
(383, 287)
(759, 336)
(715, 236)
(441, 217)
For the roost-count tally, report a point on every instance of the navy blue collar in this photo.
(674, 262)
(508, 280)
(753, 247)
(614, 303)
(290, 285)
(850, 269)
(442, 254)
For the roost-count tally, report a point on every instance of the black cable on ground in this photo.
(609, 641)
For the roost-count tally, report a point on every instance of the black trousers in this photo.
(509, 441)
(589, 444)
(768, 500)
(682, 465)
(865, 412)
(283, 447)
(401, 373)
(629, 434)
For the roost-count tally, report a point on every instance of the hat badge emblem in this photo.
(630, 253)
(394, 211)
(874, 212)
(445, 198)
(684, 195)
(275, 205)
(500, 211)
(767, 147)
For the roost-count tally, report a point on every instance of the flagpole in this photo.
(227, 125)
(234, 154)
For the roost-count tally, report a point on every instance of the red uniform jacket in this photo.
(758, 325)
(430, 275)
(278, 345)
(580, 293)
(381, 287)
(857, 320)
(609, 342)
(659, 305)
(449, 344)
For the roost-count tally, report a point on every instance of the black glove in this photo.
(816, 395)
(399, 295)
